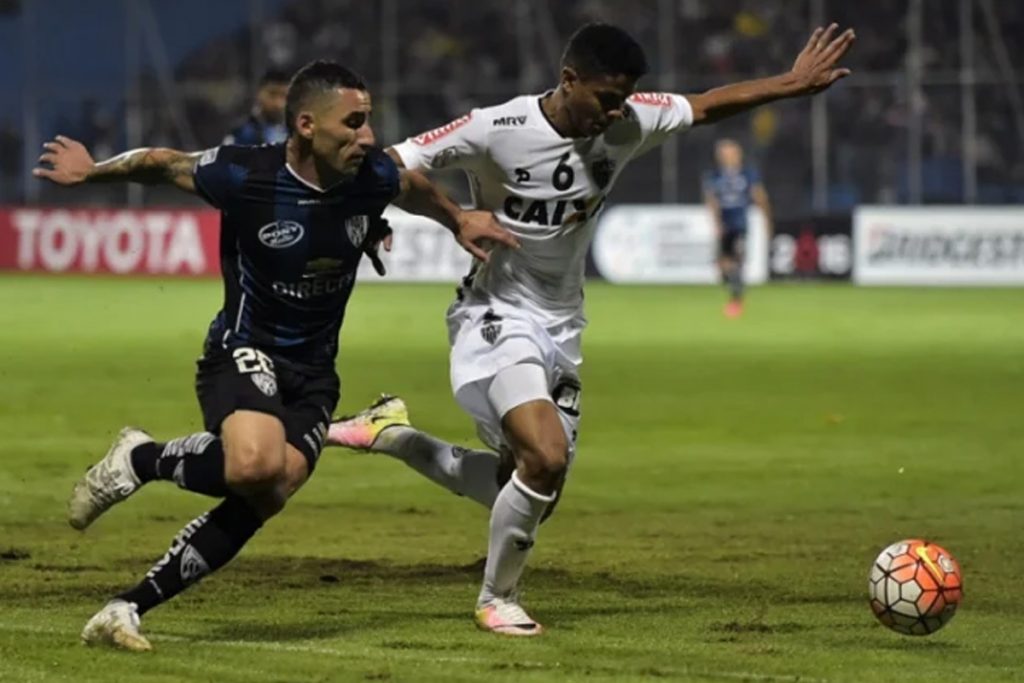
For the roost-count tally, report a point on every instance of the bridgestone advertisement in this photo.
(813, 248)
(944, 245)
(669, 243)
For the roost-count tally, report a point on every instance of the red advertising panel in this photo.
(117, 241)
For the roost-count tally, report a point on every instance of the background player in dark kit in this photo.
(265, 124)
(729, 191)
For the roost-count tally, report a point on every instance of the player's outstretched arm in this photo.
(71, 164)
(814, 70)
(473, 230)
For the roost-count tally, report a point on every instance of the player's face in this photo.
(271, 101)
(596, 102)
(341, 130)
(729, 154)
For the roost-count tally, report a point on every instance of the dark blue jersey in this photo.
(734, 192)
(254, 131)
(288, 250)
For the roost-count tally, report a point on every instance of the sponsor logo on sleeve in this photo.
(654, 99)
(433, 136)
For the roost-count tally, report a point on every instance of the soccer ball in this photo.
(915, 587)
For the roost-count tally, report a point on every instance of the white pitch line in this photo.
(399, 656)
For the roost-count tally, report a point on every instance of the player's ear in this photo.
(305, 123)
(569, 79)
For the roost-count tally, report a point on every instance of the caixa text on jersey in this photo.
(555, 212)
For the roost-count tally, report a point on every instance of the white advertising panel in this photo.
(938, 245)
(424, 251)
(670, 243)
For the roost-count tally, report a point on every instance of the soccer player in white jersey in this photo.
(544, 165)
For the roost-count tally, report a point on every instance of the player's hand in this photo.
(478, 231)
(815, 67)
(69, 160)
(379, 234)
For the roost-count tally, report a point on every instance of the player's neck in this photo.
(303, 164)
(557, 113)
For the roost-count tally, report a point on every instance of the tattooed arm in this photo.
(71, 164)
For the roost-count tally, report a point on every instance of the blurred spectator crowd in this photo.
(428, 61)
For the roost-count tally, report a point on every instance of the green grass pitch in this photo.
(735, 480)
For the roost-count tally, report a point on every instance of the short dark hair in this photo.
(315, 79)
(604, 50)
(275, 76)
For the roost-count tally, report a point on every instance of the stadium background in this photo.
(934, 114)
(736, 477)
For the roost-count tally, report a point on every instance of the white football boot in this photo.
(108, 482)
(506, 617)
(116, 625)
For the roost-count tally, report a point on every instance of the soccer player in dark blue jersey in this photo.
(729, 191)
(296, 219)
(265, 124)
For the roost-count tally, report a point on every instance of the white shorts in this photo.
(486, 339)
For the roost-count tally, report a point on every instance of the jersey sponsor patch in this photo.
(438, 133)
(508, 121)
(654, 99)
(281, 234)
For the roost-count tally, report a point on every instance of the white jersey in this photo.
(544, 188)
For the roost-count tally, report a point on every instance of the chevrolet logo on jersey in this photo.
(322, 265)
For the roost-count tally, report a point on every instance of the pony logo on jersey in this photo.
(438, 133)
(357, 227)
(654, 99)
(281, 234)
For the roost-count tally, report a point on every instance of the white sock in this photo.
(466, 472)
(514, 520)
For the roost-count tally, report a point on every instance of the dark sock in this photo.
(205, 545)
(736, 284)
(194, 462)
